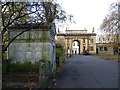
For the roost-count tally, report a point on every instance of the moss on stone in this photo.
(45, 55)
(42, 39)
(14, 50)
(43, 52)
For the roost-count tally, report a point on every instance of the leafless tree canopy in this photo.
(110, 22)
(14, 13)
(110, 25)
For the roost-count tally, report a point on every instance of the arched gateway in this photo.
(77, 41)
(75, 47)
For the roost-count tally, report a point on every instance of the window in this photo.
(101, 48)
(91, 40)
(105, 49)
(99, 39)
(91, 48)
(73, 44)
(108, 39)
(68, 47)
(84, 48)
(103, 39)
(62, 40)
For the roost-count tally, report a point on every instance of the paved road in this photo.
(88, 72)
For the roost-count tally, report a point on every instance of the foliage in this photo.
(4, 55)
(110, 22)
(58, 45)
(59, 50)
(110, 25)
(63, 57)
(15, 13)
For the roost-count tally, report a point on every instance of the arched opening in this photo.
(75, 47)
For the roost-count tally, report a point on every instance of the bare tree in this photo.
(110, 25)
(26, 12)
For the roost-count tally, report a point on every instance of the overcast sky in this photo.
(87, 13)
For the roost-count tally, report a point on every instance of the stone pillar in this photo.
(87, 44)
(94, 46)
(81, 46)
(66, 47)
(70, 46)
(84, 46)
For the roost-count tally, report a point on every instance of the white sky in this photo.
(87, 13)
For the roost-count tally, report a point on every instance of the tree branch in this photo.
(4, 49)
(5, 28)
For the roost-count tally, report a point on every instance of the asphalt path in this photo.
(85, 71)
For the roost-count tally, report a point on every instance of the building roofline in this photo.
(30, 26)
(83, 34)
(75, 30)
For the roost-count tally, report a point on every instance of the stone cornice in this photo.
(86, 34)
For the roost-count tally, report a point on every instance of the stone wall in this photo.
(104, 49)
(29, 52)
(92, 45)
(33, 45)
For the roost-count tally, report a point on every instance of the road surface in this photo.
(85, 71)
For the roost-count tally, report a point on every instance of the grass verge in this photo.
(110, 57)
(63, 57)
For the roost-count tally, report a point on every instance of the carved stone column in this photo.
(88, 44)
(82, 45)
(79, 45)
(71, 46)
(66, 46)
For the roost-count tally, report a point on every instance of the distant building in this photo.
(33, 45)
(105, 44)
(77, 41)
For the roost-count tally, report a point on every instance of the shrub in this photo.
(59, 50)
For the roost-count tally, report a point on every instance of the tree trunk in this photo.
(0, 46)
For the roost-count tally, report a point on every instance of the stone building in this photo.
(77, 41)
(105, 44)
(35, 44)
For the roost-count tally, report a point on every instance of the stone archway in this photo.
(75, 47)
(87, 41)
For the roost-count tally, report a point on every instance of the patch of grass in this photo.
(63, 57)
(95, 55)
(24, 67)
(110, 57)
